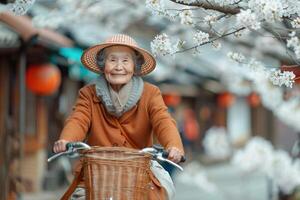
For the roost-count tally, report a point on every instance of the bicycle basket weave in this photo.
(116, 173)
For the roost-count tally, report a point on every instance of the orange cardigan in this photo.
(90, 120)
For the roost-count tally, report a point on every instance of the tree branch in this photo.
(283, 58)
(210, 41)
(209, 6)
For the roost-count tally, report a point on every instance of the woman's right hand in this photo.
(60, 146)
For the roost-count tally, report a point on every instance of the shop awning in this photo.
(23, 26)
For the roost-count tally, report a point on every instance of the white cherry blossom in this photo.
(282, 78)
(294, 44)
(225, 2)
(162, 45)
(269, 10)
(211, 19)
(296, 22)
(201, 37)
(236, 56)
(186, 17)
(186, 1)
(248, 18)
(20, 7)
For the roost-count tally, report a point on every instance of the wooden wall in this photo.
(7, 136)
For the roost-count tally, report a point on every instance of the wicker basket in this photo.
(116, 173)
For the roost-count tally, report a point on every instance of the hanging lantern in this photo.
(293, 68)
(171, 99)
(253, 99)
(43, 79)
(205, 113)
(225, 99)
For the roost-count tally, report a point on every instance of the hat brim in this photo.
(89, 58)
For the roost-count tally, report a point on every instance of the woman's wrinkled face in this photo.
(119, 65)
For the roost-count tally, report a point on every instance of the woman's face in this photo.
(119, 65)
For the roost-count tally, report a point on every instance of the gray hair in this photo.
(138, 60)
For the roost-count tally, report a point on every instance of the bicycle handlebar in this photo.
(77, 145)
(157, 152)
(72, 147)
(165, 154)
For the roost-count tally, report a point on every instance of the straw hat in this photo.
(89, 60)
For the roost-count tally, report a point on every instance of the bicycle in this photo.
(114, 173)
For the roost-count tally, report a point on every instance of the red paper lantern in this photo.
(43, 79)
(225, 99)
(171, 99)
(293, 68)
(190, 125)
(253, 99)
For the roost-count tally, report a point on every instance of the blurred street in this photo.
(47, 195)
(230, 185)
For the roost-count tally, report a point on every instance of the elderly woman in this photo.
(119, 108)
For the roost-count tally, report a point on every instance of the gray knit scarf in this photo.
(102, 91)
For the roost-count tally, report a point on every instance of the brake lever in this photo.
(157, 154)
(169, 161)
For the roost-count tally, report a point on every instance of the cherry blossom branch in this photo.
(210, 41)
(209, 6)
(282, 38)
(279, 56)
(183, 9)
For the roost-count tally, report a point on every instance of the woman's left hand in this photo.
(174, 154)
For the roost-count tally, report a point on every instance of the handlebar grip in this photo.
(69, 145)
(183, 159)
(73, 145)
(77, 145)
(165, 154)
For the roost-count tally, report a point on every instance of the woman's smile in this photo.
(119, 66)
